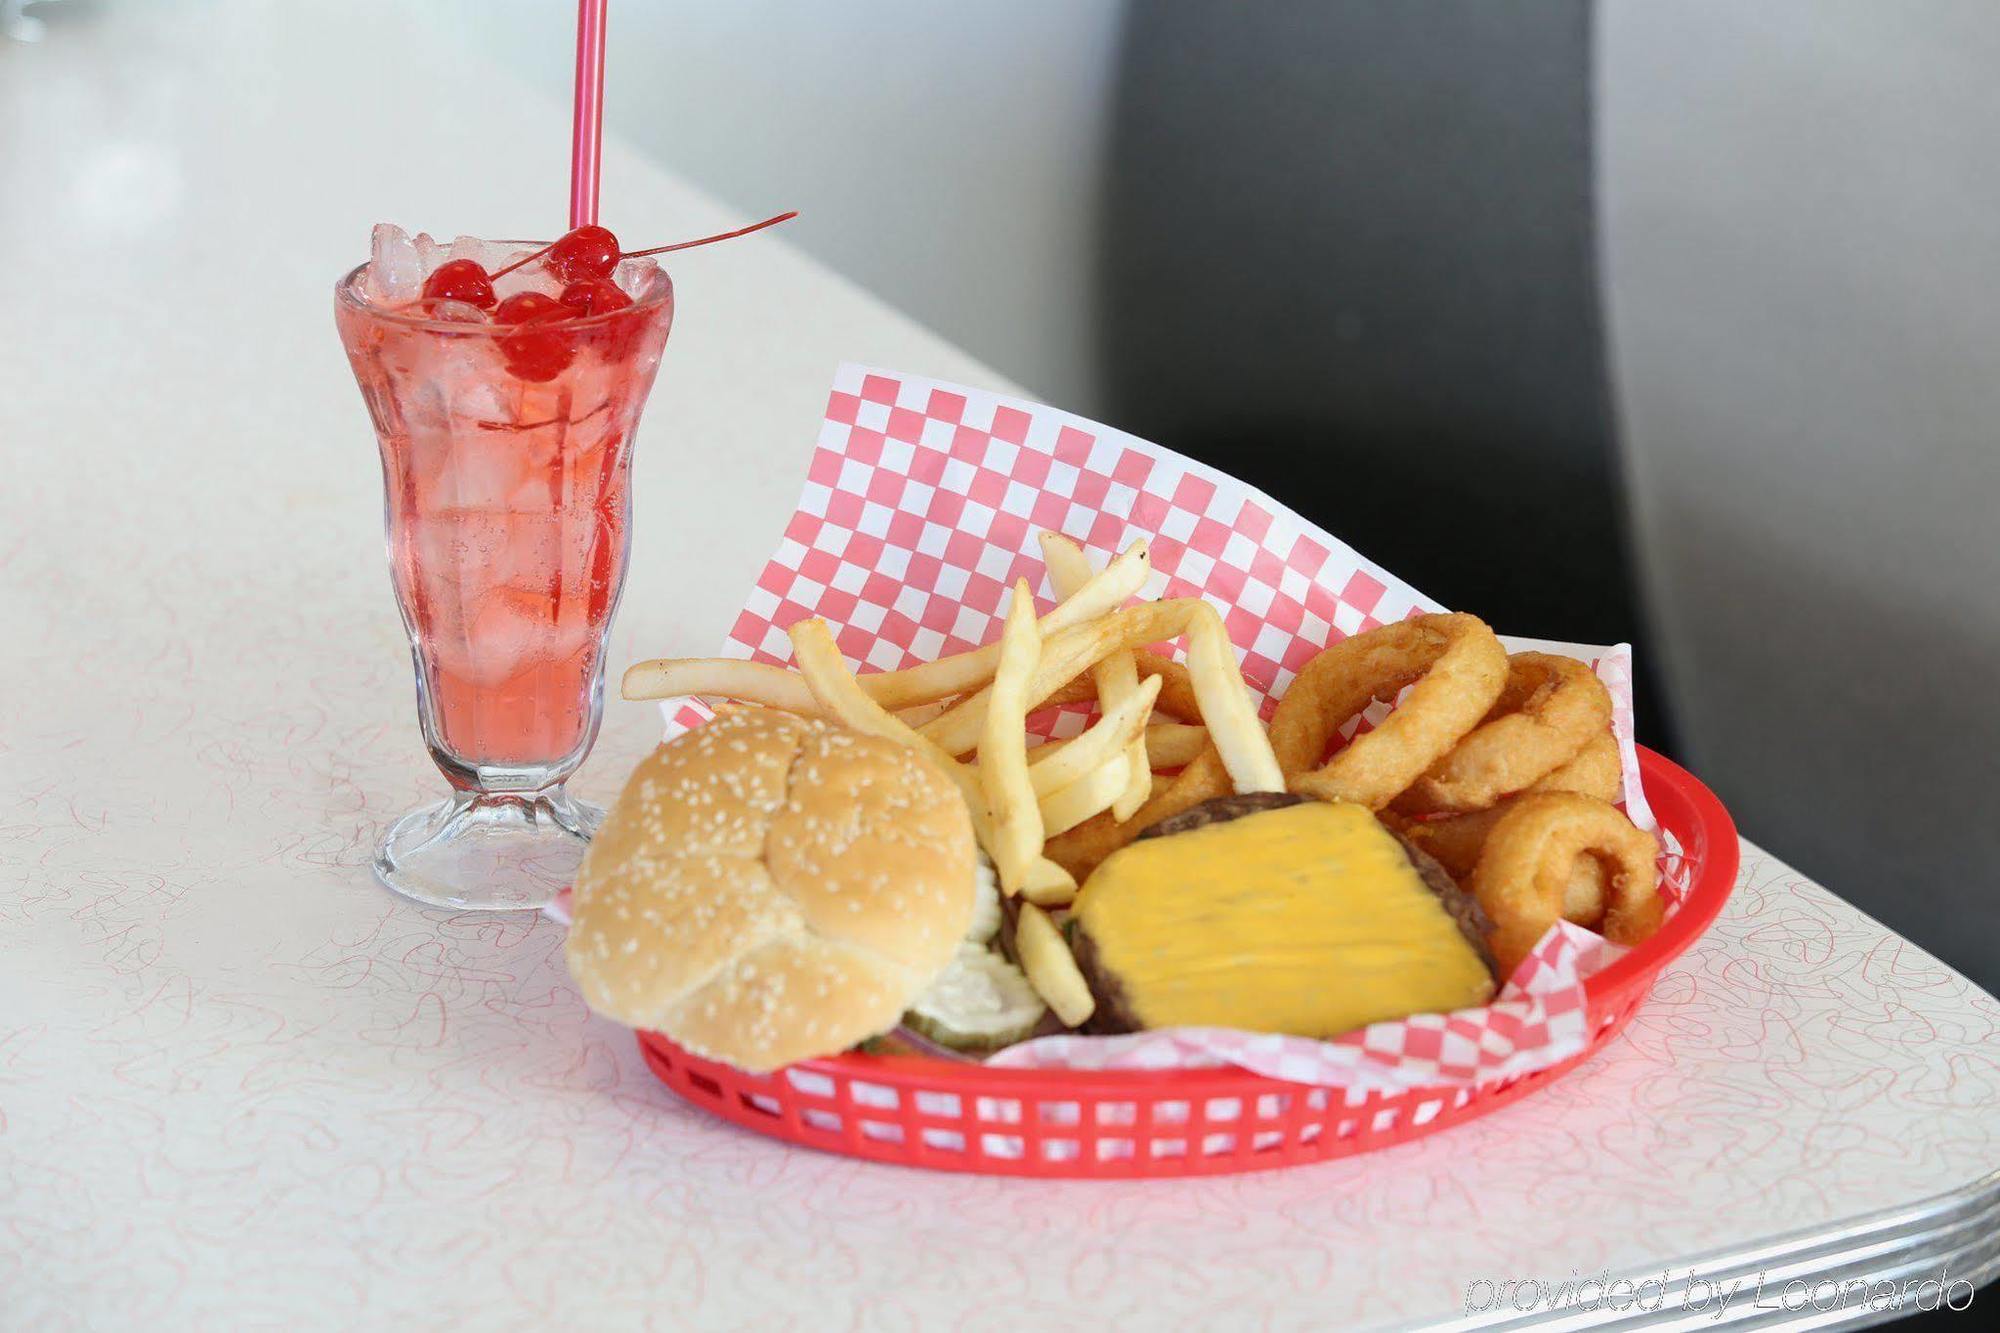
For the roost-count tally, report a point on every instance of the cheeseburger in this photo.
(1271, 913)
(770, 888)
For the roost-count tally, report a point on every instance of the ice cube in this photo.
(481, 397)
(633, 275)
(511, 629)
(430, 252)
(483, 473)
(533, 277)
(469, 247)
(395, 274)
(458, 312)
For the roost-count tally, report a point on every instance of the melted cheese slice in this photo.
(1308, 920)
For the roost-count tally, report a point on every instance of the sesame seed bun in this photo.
(769, 888)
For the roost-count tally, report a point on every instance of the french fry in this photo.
(838, 691)
(929, 681)
(1082, 690)
(718, 678)
(1051, 768)
(1048, 884)
(1174, 744)
(918, 714)
(1168, 744)
(1003, 757)
(1117, 677)
(1234, 730)
(1095, 791)
(1051, 967)
(1000, 684)
(1239, 754)
(1065, 656)
(767, 686)
(926, 682)
(1081, 849)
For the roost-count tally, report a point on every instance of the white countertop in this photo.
(242, 1086)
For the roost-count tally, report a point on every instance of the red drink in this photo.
(506, 451)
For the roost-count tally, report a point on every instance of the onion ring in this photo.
(1584, 893)
(1523, 873)
(1176, 686)
(1456, 841)
(1550, 709)
(1456, 668)
(1597, 770)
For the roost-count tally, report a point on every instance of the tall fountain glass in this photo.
(506, 464)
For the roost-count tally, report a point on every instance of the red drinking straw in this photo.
(586, 146)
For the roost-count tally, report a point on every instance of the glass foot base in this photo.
(487, 853)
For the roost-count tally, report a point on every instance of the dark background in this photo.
(1356, 240)
(1362, 239)
(1376, 222)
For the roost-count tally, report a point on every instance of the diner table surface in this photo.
(243, 1086)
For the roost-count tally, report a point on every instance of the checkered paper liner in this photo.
(920, 510)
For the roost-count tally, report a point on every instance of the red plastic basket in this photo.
(1126, 1124)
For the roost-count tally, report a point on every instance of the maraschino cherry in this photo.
(585, 252)
(615, 338)
(583, 260)
(461, 280)
(592, 252)
(594, 296)
(527, 308)
(534, 353)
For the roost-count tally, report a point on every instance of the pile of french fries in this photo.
(1039, 811)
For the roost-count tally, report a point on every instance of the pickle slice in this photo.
(980, 1002)
(986, 904)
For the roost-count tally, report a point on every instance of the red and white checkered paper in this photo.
(920, 510)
